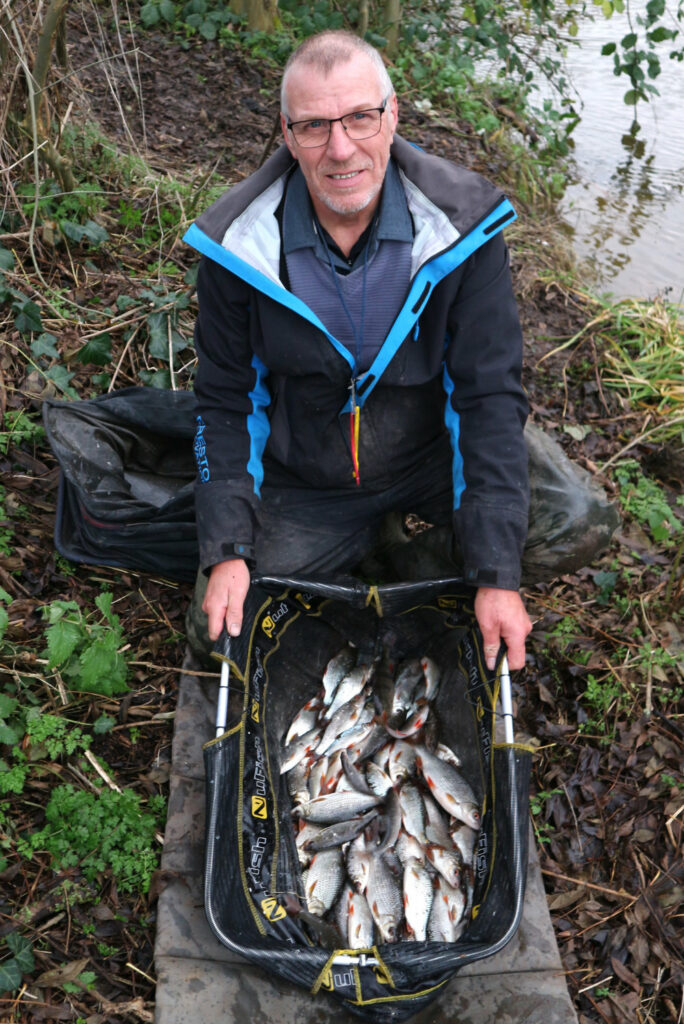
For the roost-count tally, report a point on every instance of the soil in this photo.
(606, 788)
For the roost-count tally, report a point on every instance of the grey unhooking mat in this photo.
(251, 860)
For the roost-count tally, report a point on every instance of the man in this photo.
(359, 353)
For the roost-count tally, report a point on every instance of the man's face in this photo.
(345, 175)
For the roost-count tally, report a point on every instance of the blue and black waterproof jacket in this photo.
(273, 385)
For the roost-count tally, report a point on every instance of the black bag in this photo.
(251, 864)
(126, 490)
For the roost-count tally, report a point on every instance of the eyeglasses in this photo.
(361, 124)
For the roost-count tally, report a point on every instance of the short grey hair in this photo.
(325, 51)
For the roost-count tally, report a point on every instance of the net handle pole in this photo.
(222, 653)
(506, 700)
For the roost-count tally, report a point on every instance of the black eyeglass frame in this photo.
(291, 125)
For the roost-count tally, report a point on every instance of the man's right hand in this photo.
(226, 591)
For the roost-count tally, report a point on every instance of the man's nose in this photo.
(340, 146)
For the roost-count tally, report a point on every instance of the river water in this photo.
(624, 204)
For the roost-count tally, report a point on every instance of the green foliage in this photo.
(54, 735)
(19, 963)
(5, 598)
(538, 802)
(70, 212)
(644, 500)
(86, 650)
(100, 832)
(20, 427)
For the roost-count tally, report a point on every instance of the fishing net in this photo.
(291, 630)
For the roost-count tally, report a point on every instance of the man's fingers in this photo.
(223, 602)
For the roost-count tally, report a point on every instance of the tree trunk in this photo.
(262, 15)
(392, 21)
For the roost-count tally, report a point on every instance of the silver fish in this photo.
(445, 753)
(358, 862)
(334, 807)
(392, 819)
(299, 748)
(405, 686)
(344, 718)
(408, 848)
(354, 775)
(436, 828)
(418, 896)
(341, 832)
(324, 880)
(359, 921)
(413, 811)
(447, 861)
(306, 832)
(304, 721)
(431, 675)
(348, 688)
(351, 737)
(316, 776)
(297, 782)
(342, 911)
(465, 838)
(402, 761)
(412, 725)
(440, 926)
(384, 899)
(449, 788)
(335, 671)
(378, 781)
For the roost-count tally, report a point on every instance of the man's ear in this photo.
(287, 136)
(393, 107)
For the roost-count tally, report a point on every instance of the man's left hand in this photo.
(501, 616)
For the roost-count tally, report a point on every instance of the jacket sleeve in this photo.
(486, 413)
(232, 425)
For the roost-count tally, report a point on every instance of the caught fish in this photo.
(335, 671)
(349, 687)
(299, 748)
(378, 780)
(413, 811)
(384, 899)
(334, 807)
(405, 687)
(418, 896)
(449, 788)
(324, 880)
(344, 718)
(431, 676)
(412, 725)
(354, 775)
(358, 858)
(341, 832)
(360, 931)
(402, 761)
(447, 861)
(304, 721)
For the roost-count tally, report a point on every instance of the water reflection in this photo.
(624, 205)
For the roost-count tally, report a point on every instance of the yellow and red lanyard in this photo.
(355, 414)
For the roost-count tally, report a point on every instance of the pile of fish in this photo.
(386, 825)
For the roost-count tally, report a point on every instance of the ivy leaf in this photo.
(61, 377)
(7, 705)
(23, 952)
(4, 621)
(103, 724)
(90, 231)
(149, 14)
(28, 318)
(168, 10)
(97, 350)
(10, 976)
(8, 735)
(45, 345)
(62, 639)
(6, 259)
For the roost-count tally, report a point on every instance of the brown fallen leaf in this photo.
(59, 975)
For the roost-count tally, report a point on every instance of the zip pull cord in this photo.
(355, 414)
